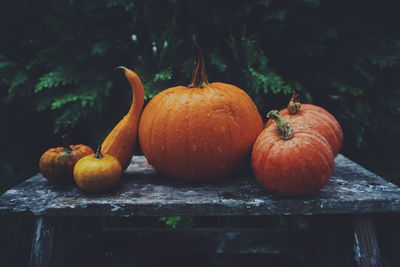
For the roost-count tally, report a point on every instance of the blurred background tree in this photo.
(57, 59)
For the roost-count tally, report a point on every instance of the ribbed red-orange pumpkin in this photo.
(315, 117)
(291, 160)
(57, 164)
(199, 132)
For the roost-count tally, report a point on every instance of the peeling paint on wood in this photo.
(42, 244)
(366, 250)
(144, 192)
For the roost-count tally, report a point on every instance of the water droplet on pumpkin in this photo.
(194, 147)
(219, 149)
(162, 148)
(223, 129)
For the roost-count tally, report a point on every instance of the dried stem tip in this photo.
(284, 131)
(294, 104)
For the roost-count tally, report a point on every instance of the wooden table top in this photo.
(144, 192)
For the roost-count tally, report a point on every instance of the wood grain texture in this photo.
(366, 248)
(42, 243)
(144, 192)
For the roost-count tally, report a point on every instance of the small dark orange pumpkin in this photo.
(57, 164)
(199, 132)
(315, 117)
(291, 160)
(97, 172)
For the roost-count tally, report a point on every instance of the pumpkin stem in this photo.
(121, 68)
(284, 131)
(98, 154)
(66, 146)
(199, 78)
(294, 104)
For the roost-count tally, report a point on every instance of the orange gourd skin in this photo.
(294, 167)
(121, 141)
(199, 134)
(318, 119)
(57, 164)
(97, 174)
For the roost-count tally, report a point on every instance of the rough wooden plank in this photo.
(42, 243)
(144, 192)
(365, 242)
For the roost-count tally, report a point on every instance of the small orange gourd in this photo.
(199, 132)
(57, 164)
(121, 141)
(97, 172)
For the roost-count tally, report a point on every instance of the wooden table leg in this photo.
(42, 244)
(365, 242)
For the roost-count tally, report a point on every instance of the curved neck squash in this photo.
(120, 142)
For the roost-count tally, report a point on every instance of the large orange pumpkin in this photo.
(315, 117)
(199, 132)
(120, 142)
(291, 159)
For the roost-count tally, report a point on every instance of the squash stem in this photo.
(66, 146)
(294, 104)
(98, 154)
(199, 78)
(284, 131)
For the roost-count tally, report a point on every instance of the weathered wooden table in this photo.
(144, 192)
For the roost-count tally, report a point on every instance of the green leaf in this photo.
(58, 77)
(218, 63)
(4, 64)
(164, 75)
(19, 78)
(99, 49)
(171, 221)
(260, 77)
